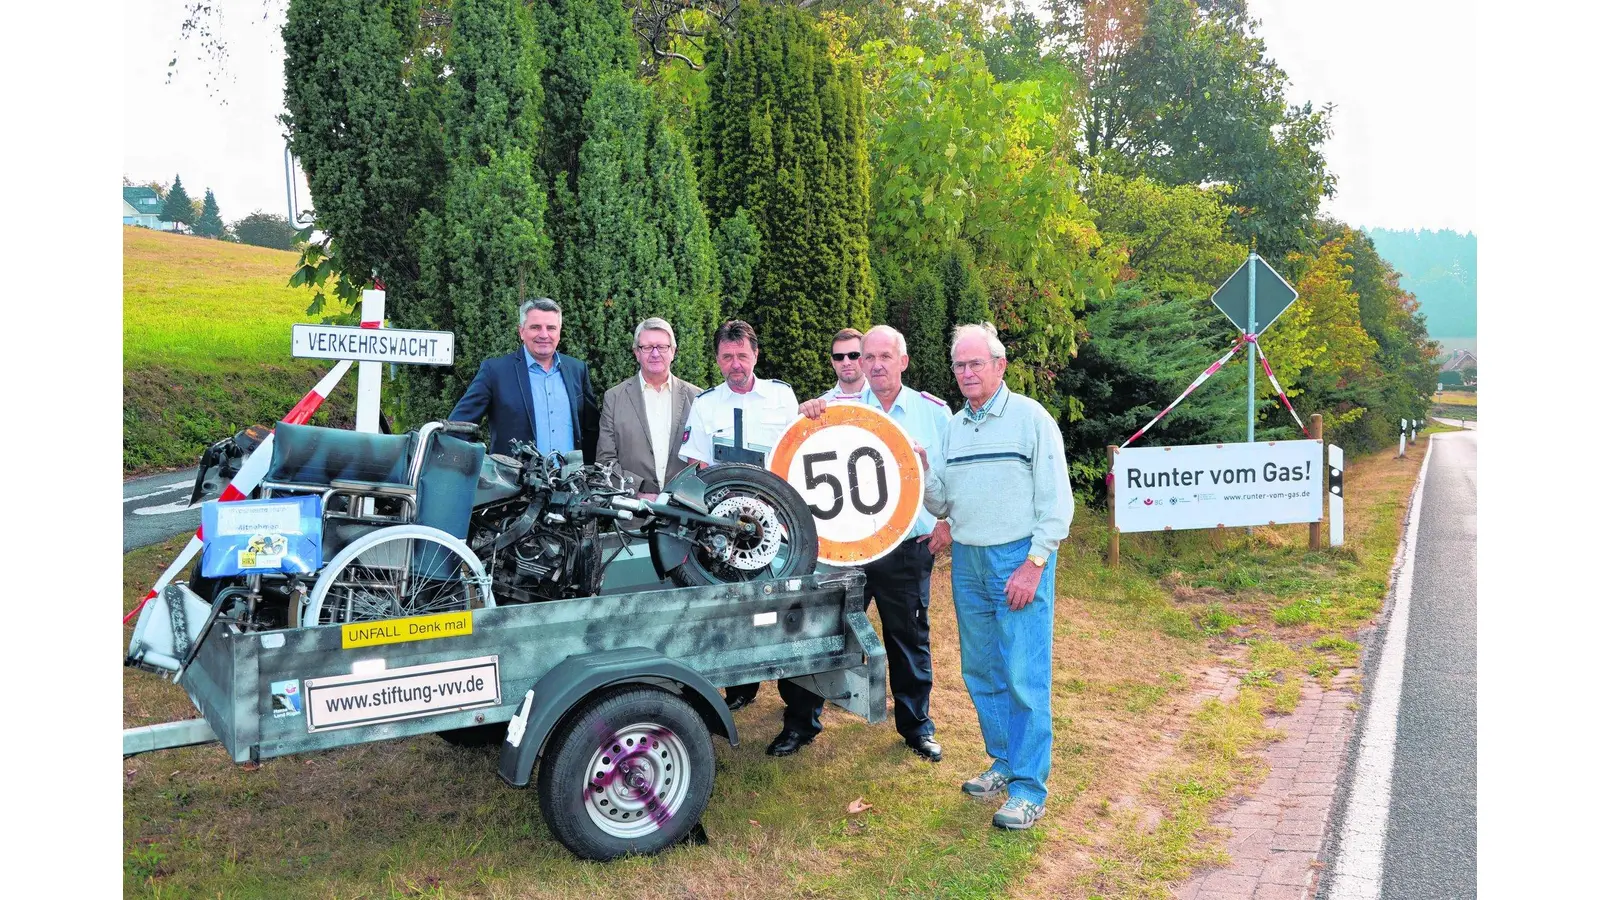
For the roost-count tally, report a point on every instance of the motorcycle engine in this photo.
(557, 562)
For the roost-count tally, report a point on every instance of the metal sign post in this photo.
(1252, 304)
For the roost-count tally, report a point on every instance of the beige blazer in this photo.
(625, 432)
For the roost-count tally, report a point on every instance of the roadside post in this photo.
(1402, 438)
(1335, 496)
(1111, 504)
(1316, 527)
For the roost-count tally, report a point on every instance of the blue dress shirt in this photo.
(552, 409)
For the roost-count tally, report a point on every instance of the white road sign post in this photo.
(1335, 496)
(858, 471)
(1218, 485)
(373, 345)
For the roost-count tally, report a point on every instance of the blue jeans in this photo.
(1005, 660)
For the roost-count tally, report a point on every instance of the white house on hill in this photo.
(141, 206)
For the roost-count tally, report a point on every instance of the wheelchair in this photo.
(395, 513)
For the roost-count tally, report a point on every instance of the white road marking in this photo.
(175, 506)
(1359, 873)
(164, 489)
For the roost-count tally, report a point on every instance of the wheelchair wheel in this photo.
(406, 570)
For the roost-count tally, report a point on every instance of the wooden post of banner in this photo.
(1216, 538)
(1111, 506)
(1322, 501)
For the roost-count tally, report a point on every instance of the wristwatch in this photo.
(1038, 560)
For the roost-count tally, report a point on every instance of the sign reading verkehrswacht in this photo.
(1211, 485)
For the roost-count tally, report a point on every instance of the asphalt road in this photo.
(155, 508)
(1431, 848)
(1428, 812)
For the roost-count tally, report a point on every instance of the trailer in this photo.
(613, 698)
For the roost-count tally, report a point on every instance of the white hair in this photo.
(899, 339)
(984, 330)
(654, 323)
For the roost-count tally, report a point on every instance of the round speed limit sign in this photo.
(856, 469)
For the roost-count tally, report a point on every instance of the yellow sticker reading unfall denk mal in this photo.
(399, 631)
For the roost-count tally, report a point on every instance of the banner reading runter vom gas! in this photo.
(1211, 485)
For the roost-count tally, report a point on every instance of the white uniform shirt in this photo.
(769, 408)
(658, 417)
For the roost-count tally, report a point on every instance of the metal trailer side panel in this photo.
(731, 634)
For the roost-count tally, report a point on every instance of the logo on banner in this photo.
(858, 472)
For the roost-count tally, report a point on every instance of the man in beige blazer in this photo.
(642, 419)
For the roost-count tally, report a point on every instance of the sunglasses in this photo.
(841, 357)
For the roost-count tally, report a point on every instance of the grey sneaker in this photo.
(984, 786)
(1018, 814)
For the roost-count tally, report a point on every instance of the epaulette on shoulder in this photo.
(780, 381)
(933, 398)
(704, 392)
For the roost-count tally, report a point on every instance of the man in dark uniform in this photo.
(899, 581)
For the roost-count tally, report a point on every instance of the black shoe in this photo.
(738, 702)
(788, 741)
(926, 747)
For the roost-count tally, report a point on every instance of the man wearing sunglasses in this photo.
(642, 420)
(847, 366)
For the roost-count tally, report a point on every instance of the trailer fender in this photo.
(565, 687)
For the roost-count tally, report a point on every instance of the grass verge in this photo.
(196, 313)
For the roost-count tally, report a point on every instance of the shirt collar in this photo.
(555, 363)
(995, 406)
(645, 385)
(899, 399)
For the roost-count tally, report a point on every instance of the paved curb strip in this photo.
(1283, 829)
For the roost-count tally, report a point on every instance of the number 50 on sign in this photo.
(857, 470)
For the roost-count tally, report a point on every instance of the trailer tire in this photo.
(630, 772)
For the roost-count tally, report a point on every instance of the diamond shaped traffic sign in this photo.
(1273, 295)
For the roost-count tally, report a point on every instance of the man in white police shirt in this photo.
(898, 581)
(768, 407)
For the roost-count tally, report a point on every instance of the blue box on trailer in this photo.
(253, 537)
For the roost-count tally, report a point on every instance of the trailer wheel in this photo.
(630, 773)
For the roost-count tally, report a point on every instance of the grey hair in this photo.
(899, 339)
(542, 304)
(984, 330)
(654, 323)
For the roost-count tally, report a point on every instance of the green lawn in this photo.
(205, 345)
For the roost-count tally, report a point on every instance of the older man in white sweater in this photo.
(1003, 486)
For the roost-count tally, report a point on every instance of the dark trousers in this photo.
(899, 582)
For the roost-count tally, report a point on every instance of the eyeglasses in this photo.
(648, 349)
(841, 357)
(973, 366)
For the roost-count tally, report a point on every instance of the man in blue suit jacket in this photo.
(534, 393)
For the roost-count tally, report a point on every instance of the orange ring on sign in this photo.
(879, 425)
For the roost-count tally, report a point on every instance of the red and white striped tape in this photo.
(1210, 370)
(1279, 388)
(250, 474)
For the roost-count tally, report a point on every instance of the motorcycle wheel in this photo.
(797, 554)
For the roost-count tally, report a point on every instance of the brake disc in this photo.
(744, 552)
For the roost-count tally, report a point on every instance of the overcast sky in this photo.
(1399, 71)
